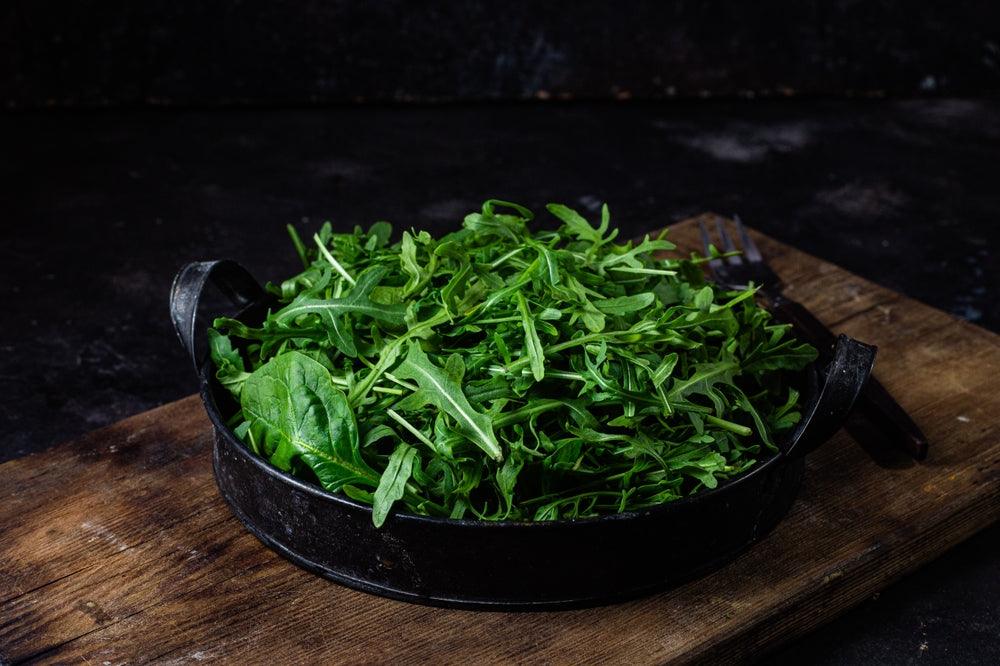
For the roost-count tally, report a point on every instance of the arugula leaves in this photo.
(445, 393)
(392, 485)
(499, 373)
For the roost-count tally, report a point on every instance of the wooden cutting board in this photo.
(117, 547)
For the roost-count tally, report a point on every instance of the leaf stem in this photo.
(329, 257)
(729, 425)
(410, 427)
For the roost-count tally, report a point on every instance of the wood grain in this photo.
(117, 547)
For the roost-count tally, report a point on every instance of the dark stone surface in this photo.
(90, 53)
(100, 209)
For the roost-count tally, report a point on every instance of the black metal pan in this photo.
(505, 565)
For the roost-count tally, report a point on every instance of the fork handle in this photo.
(879, 407)
(803, 320)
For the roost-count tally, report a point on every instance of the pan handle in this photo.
(234, 281)
(846, 376)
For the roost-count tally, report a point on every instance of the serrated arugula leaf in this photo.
(441, 390)
(392, 484)
(357, 301)
(575, 223)
(533, 346)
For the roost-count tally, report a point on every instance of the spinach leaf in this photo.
(306, 417)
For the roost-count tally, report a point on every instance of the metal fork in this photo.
(739, 270)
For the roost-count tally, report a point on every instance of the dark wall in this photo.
(122, 52)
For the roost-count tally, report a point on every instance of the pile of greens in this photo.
(503, 374)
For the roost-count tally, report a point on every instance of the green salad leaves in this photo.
(501, 373)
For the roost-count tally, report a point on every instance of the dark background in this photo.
(234, 52)
(140, 136)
